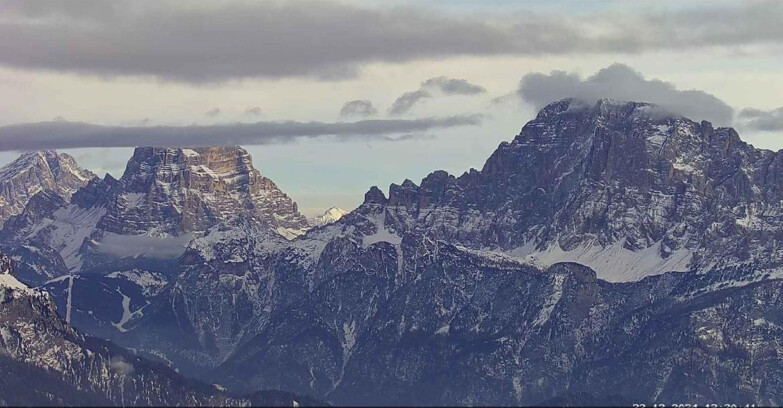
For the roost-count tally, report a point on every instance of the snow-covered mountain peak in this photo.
(329, 216)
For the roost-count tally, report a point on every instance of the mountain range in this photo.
(611, 252)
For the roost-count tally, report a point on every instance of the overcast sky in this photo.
(331, 97)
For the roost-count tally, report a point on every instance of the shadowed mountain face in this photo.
(612, 252)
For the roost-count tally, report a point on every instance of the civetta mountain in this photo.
(611, 252)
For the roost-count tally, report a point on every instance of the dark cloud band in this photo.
(218, 41)
(63, 135)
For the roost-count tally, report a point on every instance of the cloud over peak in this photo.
(621, 82)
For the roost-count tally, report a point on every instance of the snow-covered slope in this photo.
(477, 289)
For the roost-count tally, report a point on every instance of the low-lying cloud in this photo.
(217, 41)
(144, 245)
(64, 135)
(120, 366)
(761, 120)
(621, 82)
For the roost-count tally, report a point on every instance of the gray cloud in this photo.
(358, 108)
(218, 41)
(438, 85)
(757, 119)
(253, 111)
(212, 112)
(405, 102)
(623, 83)
(62, 135)
(452, 86)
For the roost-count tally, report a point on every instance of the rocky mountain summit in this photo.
(173, 191)
(165, 198)
(33, 172)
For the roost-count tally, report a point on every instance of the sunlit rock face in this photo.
(38, 171)
(188, 190)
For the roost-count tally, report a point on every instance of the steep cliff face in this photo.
(174, 191)
(38, 171)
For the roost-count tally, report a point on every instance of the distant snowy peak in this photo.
(37, 171)
(329, 216)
